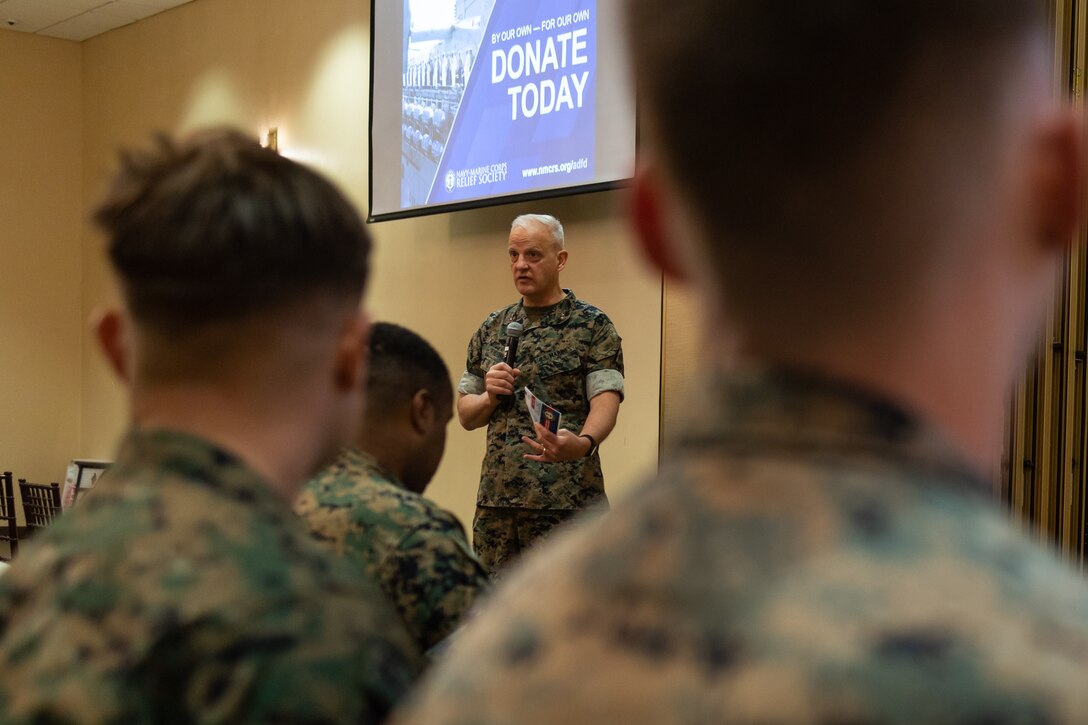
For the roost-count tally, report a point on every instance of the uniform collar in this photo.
(558, 315)
(194, 460)
(796, 410)
(357, 458)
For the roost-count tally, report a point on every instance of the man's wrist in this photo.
(593, 445)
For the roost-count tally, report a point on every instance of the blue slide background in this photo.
(483, 133)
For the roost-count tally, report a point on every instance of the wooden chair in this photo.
(41, 504)
(9, 532)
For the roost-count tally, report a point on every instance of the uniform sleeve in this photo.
(474, 359)
(604, 361)
(471, 384)
(438, 579)
(472, 380)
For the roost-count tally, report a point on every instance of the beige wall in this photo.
(682, 353)
(303, 68)
(40, 237)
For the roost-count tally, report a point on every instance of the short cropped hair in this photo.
(550, 223)
(400, 363)
(214, 228)
(791, 128)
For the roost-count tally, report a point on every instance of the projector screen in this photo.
(476, 102)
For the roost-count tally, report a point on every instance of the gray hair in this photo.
(555, 229)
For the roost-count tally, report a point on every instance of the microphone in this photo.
(513, 334)
(510, 354)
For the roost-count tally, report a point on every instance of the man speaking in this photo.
(568, 354)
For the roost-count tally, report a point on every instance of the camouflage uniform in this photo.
(810, 555)
(184, 589)
(414, 549)
(566, 357)
(501, 533)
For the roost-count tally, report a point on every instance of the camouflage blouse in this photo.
(413, 548)
(566, 357)
(812, 554)
(184, 589)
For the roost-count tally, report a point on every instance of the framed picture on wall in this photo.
(82, 476)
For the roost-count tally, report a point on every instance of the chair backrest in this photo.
(8, 529)
(41, 503)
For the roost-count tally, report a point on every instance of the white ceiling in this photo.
(77, 19)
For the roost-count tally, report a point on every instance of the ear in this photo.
(647, 214)
(349, 369)
(111, 331)
(562, 257)
(422, 412)
(1059, 183)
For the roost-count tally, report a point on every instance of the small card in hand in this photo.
(541, 412)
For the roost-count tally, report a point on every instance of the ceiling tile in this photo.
(84, 26)
(161, 4)
(78, 19)
(33, 15)
(123, 10)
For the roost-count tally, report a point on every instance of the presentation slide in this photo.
(478, 100)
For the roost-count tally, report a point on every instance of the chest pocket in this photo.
(562, 385)
(491, 352)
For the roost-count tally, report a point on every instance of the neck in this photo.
(382, 443)
(544, 299)
(966, 404)
(952, 364)
(272, 437)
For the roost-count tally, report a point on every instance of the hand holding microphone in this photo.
(499, 380)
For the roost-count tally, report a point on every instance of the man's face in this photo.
(535, 262)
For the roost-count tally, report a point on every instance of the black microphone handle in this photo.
(510, 353)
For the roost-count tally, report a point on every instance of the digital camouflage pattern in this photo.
(500, 535)
(571, 347)
(413, 548)
(810, 555)
(183, 589)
